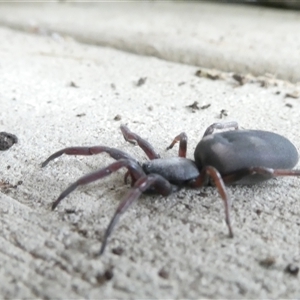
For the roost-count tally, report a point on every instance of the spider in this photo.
(228, 157)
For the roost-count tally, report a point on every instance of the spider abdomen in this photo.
(231, 151)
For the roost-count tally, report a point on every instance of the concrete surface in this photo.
(234, 38)
(55, 93)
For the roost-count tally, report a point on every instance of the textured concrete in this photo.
(54, 93)
(228, 37)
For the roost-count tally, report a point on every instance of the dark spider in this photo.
(229, 157)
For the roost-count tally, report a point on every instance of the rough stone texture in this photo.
(56, 93)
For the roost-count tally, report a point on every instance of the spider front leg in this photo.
(182, 139)
(134, 168)
(144, 183)
(217, 179)
(133, 138)
(113, 152)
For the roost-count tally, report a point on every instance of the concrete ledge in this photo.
(231, 38)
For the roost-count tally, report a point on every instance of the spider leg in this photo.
(182, 139)
(160, 185)
(113, 152)
(267, 173)
(134, 168)
(133, 138)
(215, 126)
(217, 178)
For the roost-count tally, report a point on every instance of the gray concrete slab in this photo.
(233, 38)
(54, 93)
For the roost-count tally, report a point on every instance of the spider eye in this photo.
(146, 167)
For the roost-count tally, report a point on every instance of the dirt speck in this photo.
(223, 113)
(267, 262)
(294, 95)
(163, 273)
(141, 81)
(210, 74)
(7, 140)
(118, 250)
(106, 276)
(193, 105)
(73, 84)
(117, 118)
(239, 78)
(292, 269)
